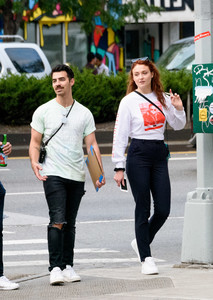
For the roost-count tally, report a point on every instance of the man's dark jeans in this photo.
(2, 195)
(63, 199)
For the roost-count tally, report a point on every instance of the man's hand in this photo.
(100, 184)
(36, 168)
(7, 148)
(34, 148)
(90, 140)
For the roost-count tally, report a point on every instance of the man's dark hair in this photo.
(60, 68)
(90, 57)
(98, 56)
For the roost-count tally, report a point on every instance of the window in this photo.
(52, 44)
(132, 44)
(25, 60)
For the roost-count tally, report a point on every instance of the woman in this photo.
(146, 164)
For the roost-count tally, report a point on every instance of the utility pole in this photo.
(197, 246)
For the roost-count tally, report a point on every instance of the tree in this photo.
(111, 12)
(12, 15)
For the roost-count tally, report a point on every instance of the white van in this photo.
(22, 58)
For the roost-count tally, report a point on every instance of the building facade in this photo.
(152, 37)
(63, 41)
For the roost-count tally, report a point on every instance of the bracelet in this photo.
(119, 169)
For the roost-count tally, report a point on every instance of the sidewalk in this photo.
(121, 283)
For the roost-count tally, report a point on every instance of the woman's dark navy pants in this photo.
(147, 171)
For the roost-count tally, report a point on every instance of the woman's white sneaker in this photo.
(6, 284)
(69, 274)
(149, 267)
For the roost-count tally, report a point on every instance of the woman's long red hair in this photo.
(156, 84)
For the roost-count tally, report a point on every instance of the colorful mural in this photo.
(40, 17)
(107, 42)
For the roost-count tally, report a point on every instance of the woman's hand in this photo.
(176, 100)
(119, 177)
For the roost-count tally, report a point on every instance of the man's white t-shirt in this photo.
(65, 156)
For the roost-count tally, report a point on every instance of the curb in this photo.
(30, 277)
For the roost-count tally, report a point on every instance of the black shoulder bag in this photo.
(167, 146)
(43, 152)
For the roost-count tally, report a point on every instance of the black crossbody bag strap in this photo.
(150, 101)
(45, 144)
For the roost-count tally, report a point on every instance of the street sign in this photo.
(202, 98)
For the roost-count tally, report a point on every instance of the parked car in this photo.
(22, 58)
(179, 55)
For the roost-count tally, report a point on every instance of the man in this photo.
(91, 61)
(62, 172)
(5, 283)
(101, 67)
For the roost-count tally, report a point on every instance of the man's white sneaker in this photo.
(6, 284)
(149, 267)
(56, 276)
(70, 275)
(135, 248)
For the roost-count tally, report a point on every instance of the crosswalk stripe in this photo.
(24, 242)
(34, 252)
(45, 251)
(24, 193)
(28, 218)
(25, 263)
(25, 252)
(77, 261)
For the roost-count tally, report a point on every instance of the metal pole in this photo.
(64, 54)
(37, 33)
(197, 245)
(188, 108)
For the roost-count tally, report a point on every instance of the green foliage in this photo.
(179, 82)
(100, 93)
(20, 96)
(111, 13)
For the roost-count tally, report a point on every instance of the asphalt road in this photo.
(105, 224)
